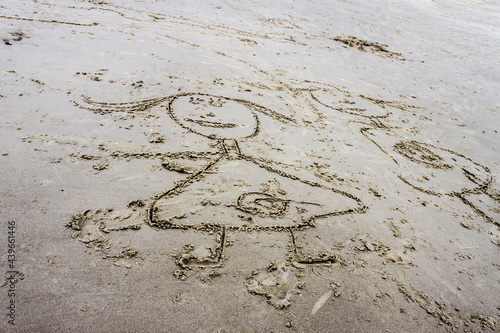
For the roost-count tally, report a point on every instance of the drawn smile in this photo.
(208, 123)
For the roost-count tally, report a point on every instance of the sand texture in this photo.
(250, 166)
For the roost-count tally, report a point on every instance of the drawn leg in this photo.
(491, 206)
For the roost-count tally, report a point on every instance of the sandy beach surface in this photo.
(250, 166)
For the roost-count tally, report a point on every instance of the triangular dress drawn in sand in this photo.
(237, 191)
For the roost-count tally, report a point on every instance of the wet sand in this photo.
(241, 166)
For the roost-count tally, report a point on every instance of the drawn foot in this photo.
(203, 256)
(276, 282)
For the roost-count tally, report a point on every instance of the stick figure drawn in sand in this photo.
(425, 167)
(226, 191)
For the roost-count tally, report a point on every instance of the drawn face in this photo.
(214, 117)
(344, 102)
(416, 152)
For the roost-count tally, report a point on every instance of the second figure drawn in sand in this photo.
(423, 166)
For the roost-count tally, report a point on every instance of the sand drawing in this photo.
(47, 21)
(366, 46)
(423, 166)
(266, 167)
(227, 192)
(224, 192)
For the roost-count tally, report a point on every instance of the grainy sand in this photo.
(242, 166)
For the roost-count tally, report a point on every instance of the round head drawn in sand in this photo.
(344, 101)
(418, 153)
(214, 117)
